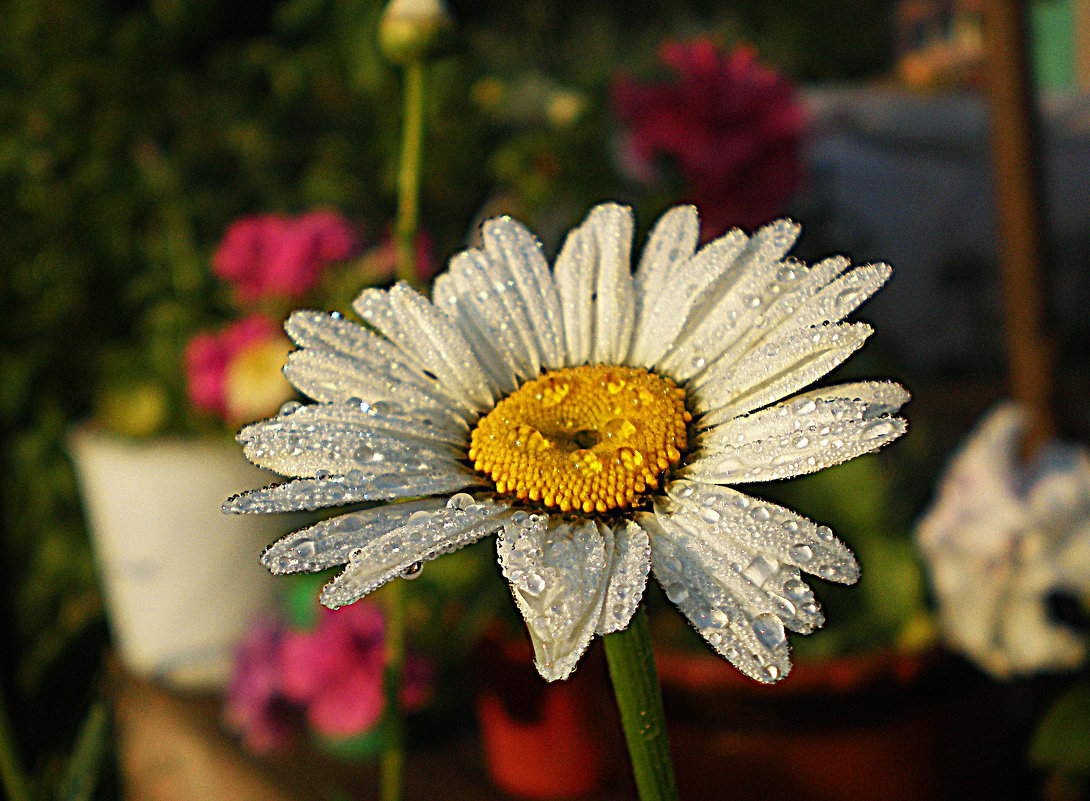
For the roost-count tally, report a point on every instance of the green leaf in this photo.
(85, 765)
(1062, 740)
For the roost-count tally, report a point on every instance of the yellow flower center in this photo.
(590, 438)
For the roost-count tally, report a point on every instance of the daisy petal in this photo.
(631, 560)
(336, 438)
(440, 345)
(807, 433)
(343, 357)
(774, 370)
(794, 287)
(671, 242)
(614, 297)
(329, 377)
(519, 266)
(425, 535)
(575, 283)
(318, 493)
(762, 585)
(689, 282)
(766, 528)
(843, 296)
(429, 338)
(483, 326)
(757, 646)
(330, 543)
(729, 308)
(558, 572)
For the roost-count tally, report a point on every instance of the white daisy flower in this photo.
(595, 421)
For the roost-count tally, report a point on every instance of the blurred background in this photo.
(176, 175)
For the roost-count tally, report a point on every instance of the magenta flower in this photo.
(256, 708)
(732, 127)
(274, 256)
(330, 676)
(235, 373)
(334, 672)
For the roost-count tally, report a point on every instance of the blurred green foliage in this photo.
(132, 133)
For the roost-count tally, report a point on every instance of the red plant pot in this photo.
(544, 740)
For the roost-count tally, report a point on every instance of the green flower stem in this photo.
(639, 699)
(408, 177)
(408, 202)
(12, 779)
(393, 751)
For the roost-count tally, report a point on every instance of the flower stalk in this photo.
(408, 178)
(639, 700)
(393, 752)
(408, 221)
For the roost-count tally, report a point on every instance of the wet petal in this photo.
(766, 528)
(629, 564)
(774, 370)
(518, 266)
(329, 543)
(317, 493)
(424, 536)
(729, 308)
(341, 438)
(689, 283)
(755, 644)
(558, 573)
(807, 433)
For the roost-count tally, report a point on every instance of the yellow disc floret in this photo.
(589, 438)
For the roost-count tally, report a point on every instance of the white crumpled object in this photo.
(1000, 538)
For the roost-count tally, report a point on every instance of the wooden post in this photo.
(1016, 156)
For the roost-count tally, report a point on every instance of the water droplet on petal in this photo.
(801, 553)
(769, 630)
(412, 571)
(677, 592)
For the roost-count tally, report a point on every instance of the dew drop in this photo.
(412, 571)
(801, 553)
(305, 548)
(290, 408)
(877, 429)
(803, 406)
(533, 584)
(459, 501)
(677, 592)
(769, 630)
(760, 514)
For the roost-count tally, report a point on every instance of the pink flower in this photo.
(235, 373)
(274, 256)
(256, 708)
(733, 128)
(335, 671)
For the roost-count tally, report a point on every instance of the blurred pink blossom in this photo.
(732, 127)
(330, 676)
(255, 706)
(235, 373)
(335, 671)
(275, 256)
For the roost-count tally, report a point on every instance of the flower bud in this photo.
(415, 30)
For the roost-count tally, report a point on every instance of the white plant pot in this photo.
(181, 580)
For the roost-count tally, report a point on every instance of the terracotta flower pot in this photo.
(181, 580)
(545, 740)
